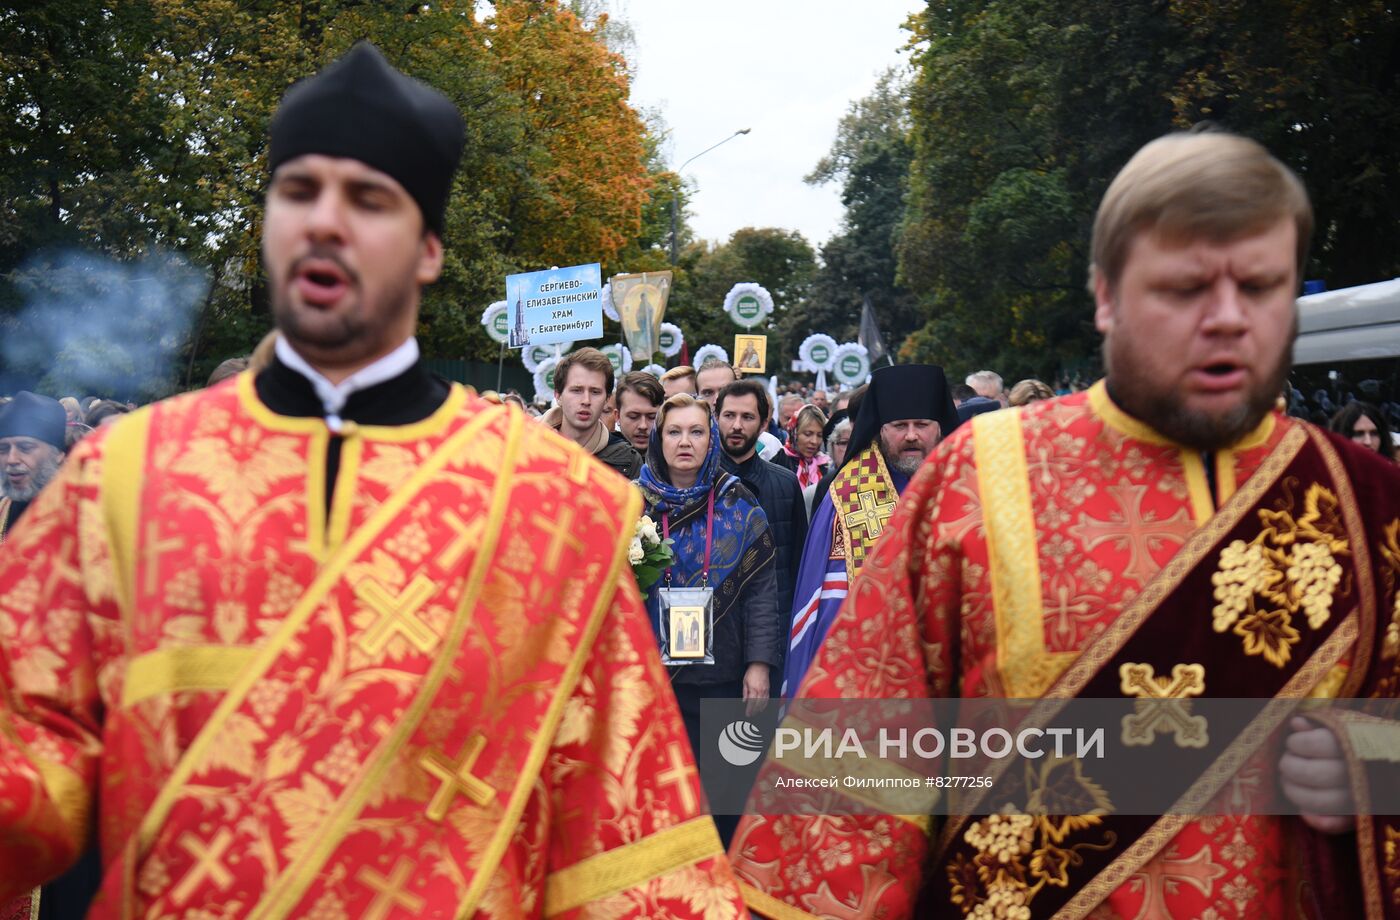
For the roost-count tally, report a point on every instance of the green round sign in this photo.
(615, 359)
(851, 366)
(549, 379)
(820, 355)
(667, 339)
(748, 307)
(501, 324)
(541, 353)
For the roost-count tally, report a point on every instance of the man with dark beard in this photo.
(741, 410)
(904, 413)
(340, 589)
(1167, 533)
(32, 432)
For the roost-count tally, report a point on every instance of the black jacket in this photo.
(780, 497)
(621, 456)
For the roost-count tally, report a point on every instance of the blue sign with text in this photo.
(559, 305)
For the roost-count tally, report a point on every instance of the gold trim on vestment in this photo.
(184, 667)
(1360, 556)
(1371, 887)
(291, 885)
(631, 865)
(769, 906)
(352, 448)
(123, 478)
(1214, 778)
(1226, 479)
(327, 578)
(1088, 662)
(1013, 555)
(434, 424)
(317, 449)
(1123, 423)
(1193, 468)
(549, 726)
(70, 796)
(1200, 544)
(4, 517)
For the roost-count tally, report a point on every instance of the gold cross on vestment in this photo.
(679, 776)
(457, 777)
(207, 864)
(1164, 708)
(1165, 872)
(60, 570)
(151, 551)
(459, 545)
(396, 615)
(563, 532)
(871, 517)
(389, 891)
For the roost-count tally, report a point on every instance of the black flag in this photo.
(870, 333)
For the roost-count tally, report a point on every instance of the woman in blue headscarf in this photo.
(688, 492)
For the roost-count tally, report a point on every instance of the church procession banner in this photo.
(558, 305)
(640, 301)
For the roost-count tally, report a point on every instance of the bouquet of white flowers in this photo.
(649, 554)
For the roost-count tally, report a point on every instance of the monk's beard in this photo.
(40, 477)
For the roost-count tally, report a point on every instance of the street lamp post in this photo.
(676, 193)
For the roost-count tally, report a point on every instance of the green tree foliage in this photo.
(1023, 111)
(870, 159)
(782, 261)
(140, 126)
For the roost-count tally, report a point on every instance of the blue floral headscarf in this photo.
(655, 479)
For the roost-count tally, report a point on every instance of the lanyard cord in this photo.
(709, 537)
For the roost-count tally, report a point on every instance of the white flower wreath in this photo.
(488, 322)
(709, 351)
(532, 363)
(656, 370)
(817, 343)
(609, 308)
(544, 392)
(624, 356)
(746, 290)
(676, 344)
(843, 371)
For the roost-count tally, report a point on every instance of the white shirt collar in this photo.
(334, 395)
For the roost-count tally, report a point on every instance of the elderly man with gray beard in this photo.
(32, 430)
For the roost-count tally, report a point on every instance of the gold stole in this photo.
(864, 498)
(1301, 487)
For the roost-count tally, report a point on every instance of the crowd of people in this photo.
(335, 637)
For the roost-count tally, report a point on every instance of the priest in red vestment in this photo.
(338, 639)
(1167, 533)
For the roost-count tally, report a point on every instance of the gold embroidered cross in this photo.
(389, 891)
(457, 777)
(459, 545)
(871, 517)
(396, 615)
(151, 551)
(60, 570)
(563, 532)
(679, 776)
(207, 864)
(1163, 705)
